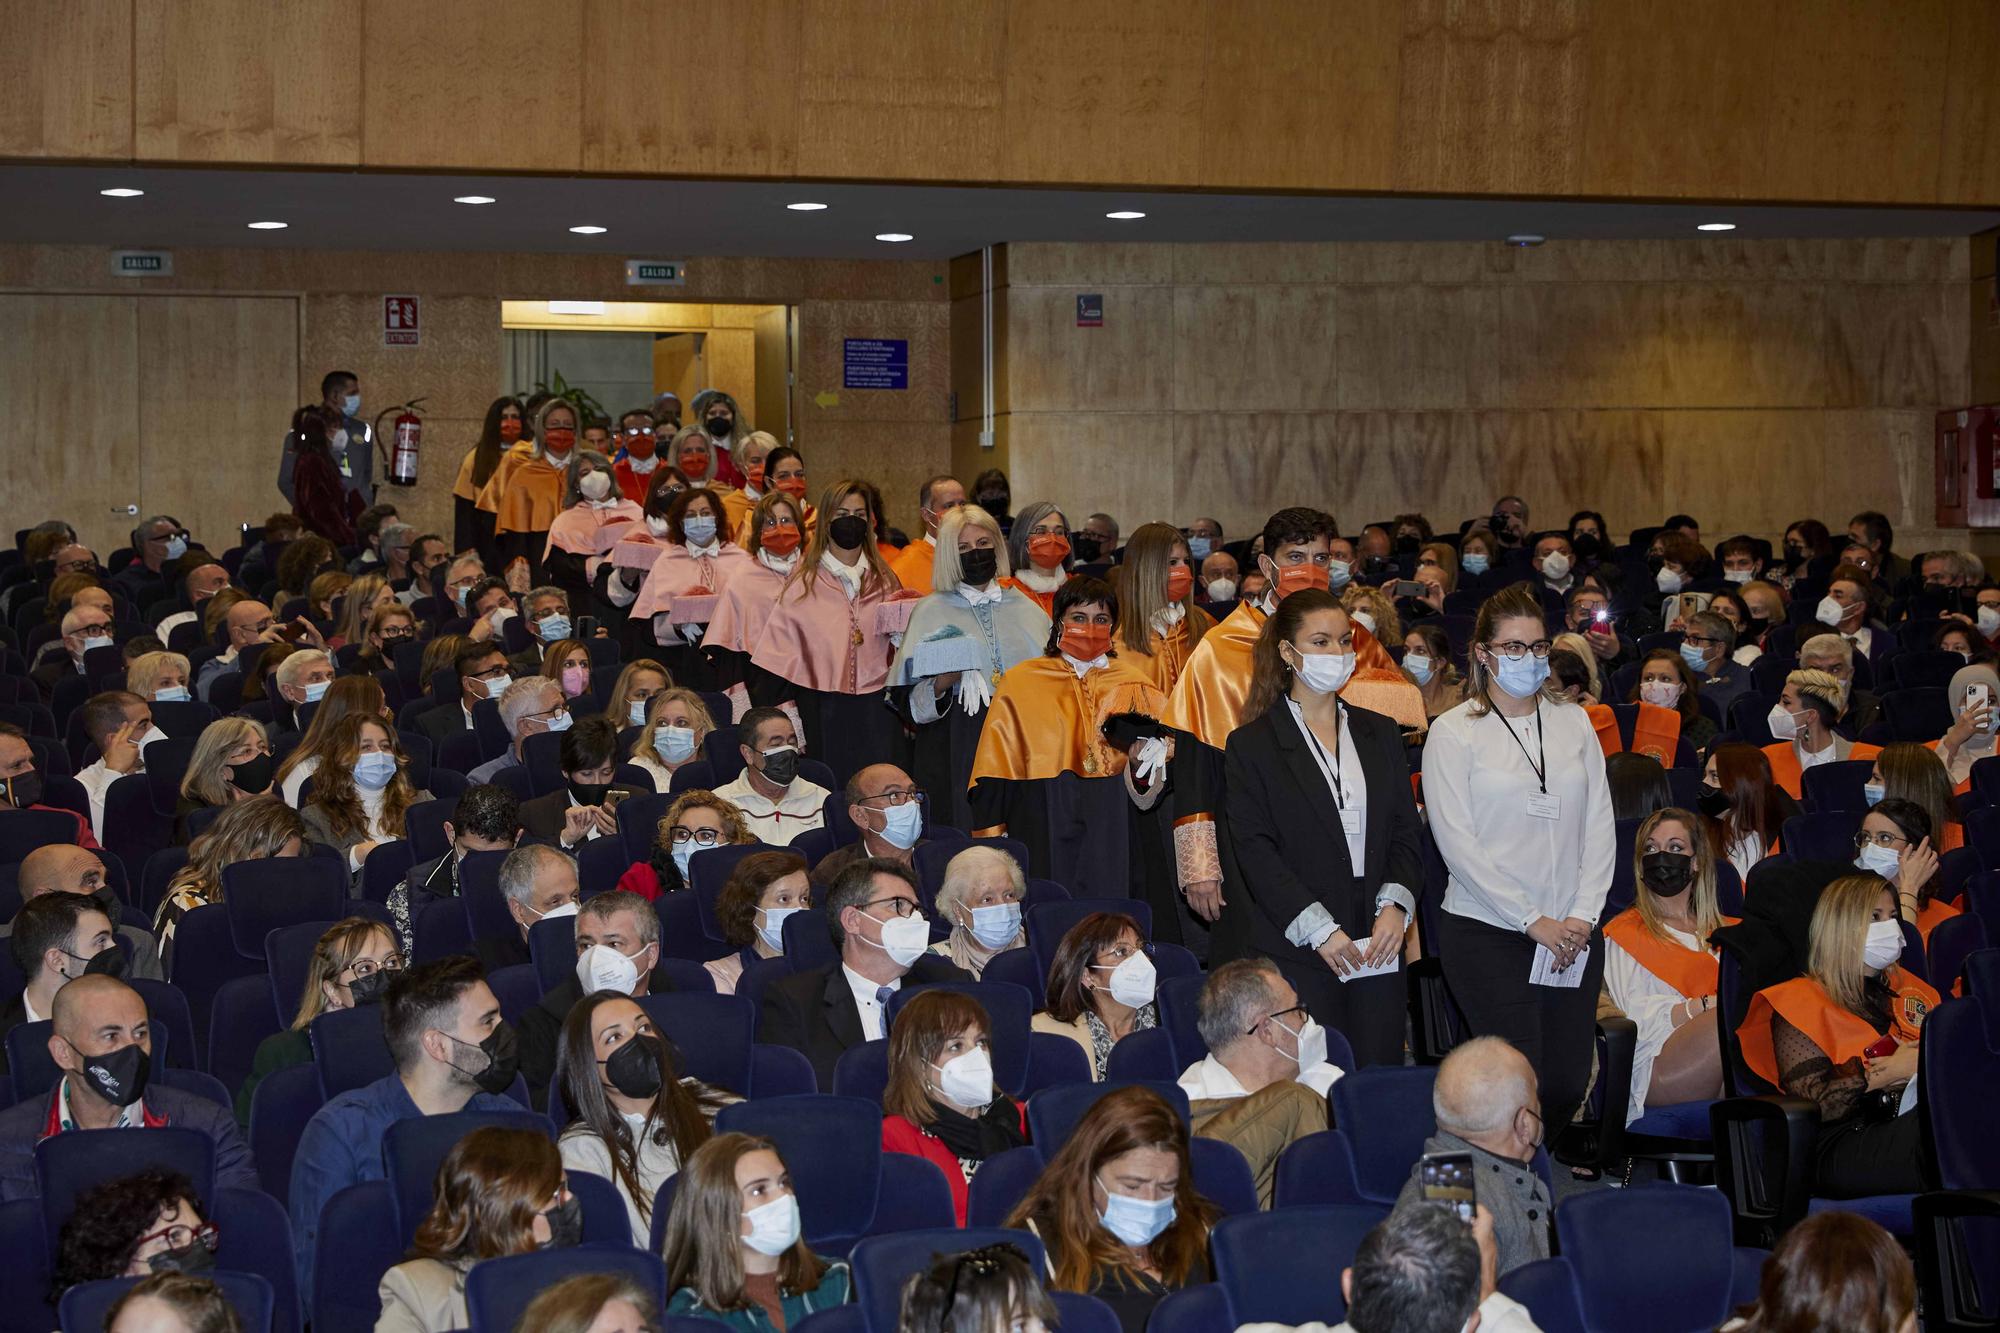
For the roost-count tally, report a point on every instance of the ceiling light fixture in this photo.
(588, 230)
(1715, 226)
(473, 199)
(268, 226)
(1125, 215)
(806, 207)
(1525, 238)
(121, 193)
(894, 236)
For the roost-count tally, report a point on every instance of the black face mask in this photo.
(23, 791)
(1585, 544)
(589, 793)
(119, 1076)
(1712, 802)
(368, 990)
(1667, 873)
(1407, 545)
(1503, 528)
(978, 567)
(565, 1225)
(781, 767)
(1086, 547)
(106, 899)
(995, 502)
(503, 1058)
(848, 531)
(634, 1068)
(253, 775)
(107, 963)
(193, 1257)
(719, 427)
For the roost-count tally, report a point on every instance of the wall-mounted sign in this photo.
(1090, 311)
(400, 316)
(655, 273)
(142, 263)
(875, 363)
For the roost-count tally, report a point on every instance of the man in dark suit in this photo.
(884, 940)
(480, 666)
(617, 948)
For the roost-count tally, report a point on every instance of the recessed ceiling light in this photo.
(1526, 238)
(1715, 226)
(588, 230)
(121, 193)
(269, 226)
(1125, 215)
(473, 199)
(805, 207)
(894, 236)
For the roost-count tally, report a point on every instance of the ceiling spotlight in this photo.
(1125, 215)
(894, 236)
(268, 226)
(121, 193)
(588, 230)
(1526, 238)
(473, 199)
(805, 207)
(1715, 226)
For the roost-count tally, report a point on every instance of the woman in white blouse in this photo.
(1659, 968)
(1514, 786)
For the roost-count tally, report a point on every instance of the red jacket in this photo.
(899, 1135)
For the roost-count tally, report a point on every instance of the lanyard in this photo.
(1542, 769)
(1331, 766)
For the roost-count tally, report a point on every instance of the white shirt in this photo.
(865, 1001)
(1745, 853)
(1315, 925)
(1082, 669)
(985, 596)
(1508, 866)
(582, 1150)
(777, 822)
(849, 575)
(289, 788)
(1832, 754)
(1211, 1079)
(1040, 580)
(97, 780)
(1497, 1314)
(1650, 1003)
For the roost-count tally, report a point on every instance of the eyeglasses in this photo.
(180, 1235)
(403, 635)
(549, 716)
(1699, 641)
(898, 796)
(1118, 953)
(903, 906)
(368, 967)
(1280, 1013)
(1867, 839)
(1514, 651)
(700, 837)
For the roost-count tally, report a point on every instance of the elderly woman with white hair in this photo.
(974, 626)
(981, 897)
(159, 678)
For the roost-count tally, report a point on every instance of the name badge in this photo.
(1350, 822)
(346, 469)
(1544, 806)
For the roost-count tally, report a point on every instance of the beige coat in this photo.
(423, 1296)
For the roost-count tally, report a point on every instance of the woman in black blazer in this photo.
(1313, 781)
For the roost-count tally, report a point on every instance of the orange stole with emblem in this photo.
(1692, 972)
(1044, 722)
(1840, 1035)
(1656, 733)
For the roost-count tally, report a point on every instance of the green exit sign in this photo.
(142, 263)
(655, 273)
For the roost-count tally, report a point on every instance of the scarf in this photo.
(850, 576)
(971, 1140)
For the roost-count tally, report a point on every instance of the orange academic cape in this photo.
(1043, 721)
(1785, 770)
(1207, 700)
(1842, 1036)
(1045, 600)
(1168, 653)
(913, 565)
(1656, 734)
(1692, 972)
(530, 497)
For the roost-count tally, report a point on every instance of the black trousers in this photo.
(1857, 1158)
(1556, 1028)
(1369, 1012)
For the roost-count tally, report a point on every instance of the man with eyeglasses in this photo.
(247, 623)
(776, 802)
(158, 543)
(302, 678)
(873, 914)
(482, 674)
(74, 560)
(886, 805)
(528, 708)
(638, 457)
(487, 818)
(1834, 655)
(1263, 1084)
(84, 626)
(935, 498)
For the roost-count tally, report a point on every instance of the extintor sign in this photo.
(400, 326)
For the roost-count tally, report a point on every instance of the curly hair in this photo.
(735, 830)
(736, 907)
(101, 1235)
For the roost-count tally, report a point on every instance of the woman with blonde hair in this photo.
(254, 830)
(1844, 1036)
(159, 677)
(592, 1303)
(362, 793)
(1438, 557)
(735, 1251)
(346, 696)
(981, 898)
(941, 1103)
(366, 595)
(1373, 610)
(353, 963)
(1659, 968)
(634, 689)
(970, 630)
(775, 540)
(1158, 621)
(765, 888)
(671, 735)
(390, 624)
(231, 762)
(696, 821)
(1802, 730)
(325, 590)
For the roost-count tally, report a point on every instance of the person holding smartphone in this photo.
(1975, 711)
(1518, 802)
(585, 807)
(1589, 614)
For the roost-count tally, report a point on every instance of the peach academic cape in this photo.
(1043, 721)
(822, 641)
(677, 572)
(591, 530)
(742, 608)
(1840, 1035)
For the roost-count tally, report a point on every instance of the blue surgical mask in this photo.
(902, 825)
(771, 929)
(560, 722)
(1474, 562)
(91, 641)
(351, 404)
(177, 546)
(674, 744)
(171, 694)
(1135, 1221)
(1419, 666)
(316, 690)
(700, 529)
(1696, 658)
(996, 927)
(373, 772)
(553, 628)
(1339, 573)
(683, 853)
(1520, 676)
(1873, 792)
(635, 713)
(1199, 548)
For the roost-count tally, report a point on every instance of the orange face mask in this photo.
(1294, 578)
(781, 540)
(510, 429)
(558, 440)
(1086, 642)
(1047, 550)
(694, 464)
(1180, 582)
(755, 476)
(641, 445)
(793, 486)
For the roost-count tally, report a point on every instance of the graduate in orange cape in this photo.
(525, 493)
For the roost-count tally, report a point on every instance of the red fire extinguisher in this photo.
(406, 440)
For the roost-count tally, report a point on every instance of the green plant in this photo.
(587, 407)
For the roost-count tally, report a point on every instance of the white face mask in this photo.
(1365, 620)
(1311, 1043)
(601, 967)
(554, 913)
(1884, 861)
(1221, 590)
(1989, 620)
(595, 485)
(1884, 946)
(1660, 693)
(772, 929)
(1784, 726)
(774, 1226)
(904, 938)
(1133, 982)
(1325, 673)
(1829, 612)
(1555, 565)
(1737, 575)
(967, 1079)
(1668, 579)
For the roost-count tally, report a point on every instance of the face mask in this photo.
(1475, 562)
(1324, 673)
(316, 690)
(92, 641)
(1199, 548)
(995, 502)
(1419, 666)
(23, 791)
(634, 1068)
(1294, 578)
(575, 680)
(1311, 1043)
(1660, 693)
(177, 546)
(793, 486)
(1829, 612)
(1221, 590)
(682, 854)
(565, 1225)
(753, 476)
(1133, 982)
(1087, 547)
(558, 443)
(119, 1076)
(193, 1257)
(967, 1079)
(774, 1226)
(700, 530)
(510, 430)
(994, 927)
(719, 427)
(595, 485)
(1696, 658)
(675, 745)
(904, 939)
(1585, 544)
(780, 541)
(589, 793)
(1738, 575)
(373, 772)
(1135, 1221)
(1668, 580)
(1885, 862)
(902, 825)
(498, 686)
(1989, 620)
(1873, 792)
(568, 909)
(368, 990)
(171, 694)
(1554, 566)
(1365, 620)
(1712, 802)
(503, 1054)
(772, 929)
(553, 628)
(1086, 643)
(1047, 552)
(1784, 726)
(105, 963)
(1884, 947)
(694, 466)
(976, 568)
(1520, 676)
(781, 765)
(601, 967)
(657, 525)
(1667, 873)
(848, 531)
(635, 713)
(458, 595)
(253, 775)
(351, 404)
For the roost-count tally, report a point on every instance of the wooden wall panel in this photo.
(1580, 345)
(1416, 346)
(293, 91)
(825, 325)
(1896, 346)
(68, 85)
(1129, 471)
(1969, 142)
(1054, 366)
(1253, 347)
(1742, 345)
(69, 439)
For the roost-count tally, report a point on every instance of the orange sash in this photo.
(1936, 912)
(1841, 1035)
(1692, 972)
(1656, 733)
(1785, 770)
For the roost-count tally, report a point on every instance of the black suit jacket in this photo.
(543, 817)
(442, 723)
(1285, 831)
(814, 1014)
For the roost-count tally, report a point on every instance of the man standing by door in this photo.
(352, 442)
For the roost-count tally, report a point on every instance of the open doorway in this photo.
(623, 354)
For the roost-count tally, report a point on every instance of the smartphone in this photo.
(1445, 1179)
(586, 627)
(1410, 588)
(1600, 621)
(292, 633)
(1881, 1049)
(613, 797)
(1978, 695)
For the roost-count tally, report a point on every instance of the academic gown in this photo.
(1043, 772)
(579, 539)
(472, 527)
(632, 483)
(947, 633)
(528, 497)
(740, 612)
(826, 655)
(679, 572)
(1045, 600)
(1166, 655)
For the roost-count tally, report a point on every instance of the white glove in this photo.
(974, 692)
(896, 639)
(1152, 758)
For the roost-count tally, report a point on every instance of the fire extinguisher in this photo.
(406, 440)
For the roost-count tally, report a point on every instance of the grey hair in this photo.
(546, 590)
(298, 664)
(518, 871)
(1024, 523)
(1821, 647)
(1713, 625)
(573, 478)
(521, 698)
(1417, 1270)
(963, 868)
(1477, 1089)
(1234, 1000)
(168, 519)
(606, 905)
(385, 535)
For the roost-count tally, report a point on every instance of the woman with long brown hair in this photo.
(635, 1120)
(735, 1251)
(347, 696)
(472, 527)
(362, 793)
(1158, 621)
(1116, 1207)
(364, 594)
(498, 1192)
(941, 1103)
(1743, 805)
(567, 663)
(1102, 987)
(1834, 1270)
(251, 830)
(525, 494)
